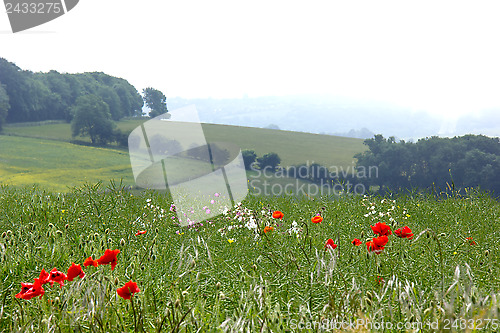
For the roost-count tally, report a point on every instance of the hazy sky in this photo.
(439, 56)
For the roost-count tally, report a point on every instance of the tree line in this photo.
(463, 162)
(27, 96)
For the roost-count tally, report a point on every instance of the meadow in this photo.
(251, 269)
(44, 154)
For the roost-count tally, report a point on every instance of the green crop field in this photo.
(245, 271)
(44, 155)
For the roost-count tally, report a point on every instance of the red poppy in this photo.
(317, 219)
(381, 241)
(268, 229)
(56, 276)
(74, 271)
(356, 242)
(382, 229)
(140, 232)
(404, 232)
(330, 244)
(377, 244)
(128, 290)
(30, 290)
(109, 257)
(44, 277)
(471, 242)
(90, 262)
(278, 215)
(380, 280)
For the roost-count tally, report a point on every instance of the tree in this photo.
(156, 101)
(249, 157)
(269, 161)
(4, 105)
(92, 117)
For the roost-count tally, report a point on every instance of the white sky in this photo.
(439, 56)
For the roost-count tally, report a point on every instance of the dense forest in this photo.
(26, 96)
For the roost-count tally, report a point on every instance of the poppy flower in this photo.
(128, 290)
(90, 262)
(471, 242)
(317, 219)
(44, 277)
(381, 241)
(377, 244)
(330, 244)
(356, 242)
(278, 215)
(56, 276)
(382, 229)
(268, 229)
(142, 232)
(74, 271)
(30, 290)
(404, 232)
(109, 257)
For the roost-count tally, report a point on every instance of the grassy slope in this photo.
(58, 164)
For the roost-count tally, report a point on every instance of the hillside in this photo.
(44, 155)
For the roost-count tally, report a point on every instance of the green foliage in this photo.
(156, 101)
(269, 161)
(50, 96)
(92, 117)
(467, 161)
(4, 105)
(249, 157)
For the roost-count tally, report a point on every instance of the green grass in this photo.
(293, 147)
(222, 277)
(44, 155)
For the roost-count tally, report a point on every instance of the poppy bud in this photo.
(51, 225)
(106, 231)
(56, 301)
(254, 267)
(362, 234)
(66, 226)
(222, 295)
(4, 234)
(156, 230)
(110, 240)
(217, 286)
(486, 252)
(122, 242)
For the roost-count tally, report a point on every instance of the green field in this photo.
(44, 154)
(228, 275)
